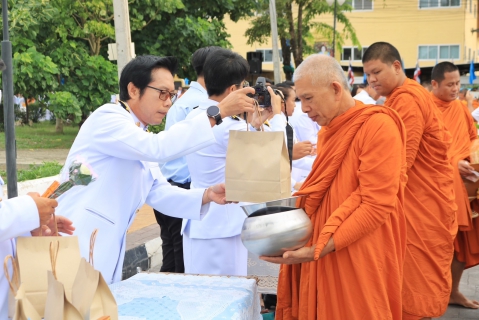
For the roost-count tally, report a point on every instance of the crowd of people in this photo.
(393, 224)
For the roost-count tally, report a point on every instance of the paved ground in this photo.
(470, 287)
(35, 156)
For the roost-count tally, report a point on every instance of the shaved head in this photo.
(439, 71)
(382, 51)
(322, 70)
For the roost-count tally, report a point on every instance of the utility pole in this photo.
(122, 34)
(9, 116)
(274, 33)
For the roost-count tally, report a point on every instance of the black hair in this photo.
(269, 81)
(288, 82)
(440, 69)
(383, 51)
(285, 89)
(199, 57)
(138, 71)
(224, 69)
(354, 91)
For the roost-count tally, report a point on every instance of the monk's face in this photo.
(320, 102)
(447, 89)
(383, 77)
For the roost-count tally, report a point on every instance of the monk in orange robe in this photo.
(351, 268)
(430, 206)
(446, 83)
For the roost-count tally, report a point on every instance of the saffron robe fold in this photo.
(459, 122)
(430, 206)
(355, 192)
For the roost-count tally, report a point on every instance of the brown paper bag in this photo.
(33, 255)
(57, 306)
(90, 293)
(257, 167)
(19, 308)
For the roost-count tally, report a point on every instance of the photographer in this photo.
(213, 245)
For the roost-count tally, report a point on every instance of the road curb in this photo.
(145, 256)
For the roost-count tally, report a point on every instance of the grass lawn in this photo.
(35, 171)
(42, 135)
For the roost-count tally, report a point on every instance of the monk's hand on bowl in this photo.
(465, 168)
(305, 254)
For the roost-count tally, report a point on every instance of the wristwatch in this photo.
(214, 112)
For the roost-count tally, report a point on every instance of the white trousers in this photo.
(223, 256)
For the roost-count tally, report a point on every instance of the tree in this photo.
(297, 19)
(64, 104)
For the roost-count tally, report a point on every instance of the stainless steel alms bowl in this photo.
(276, 226)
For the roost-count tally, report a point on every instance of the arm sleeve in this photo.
(176, 114)
(379, 174)
(305, 163)
(119, 137)
(413, 120)
(176, 202)
(18, 216)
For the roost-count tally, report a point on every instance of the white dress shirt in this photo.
(364, 97)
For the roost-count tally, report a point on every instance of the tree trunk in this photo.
(59, 125)
(286, 59)
(26, 111)
(292, 33)
(299, 47)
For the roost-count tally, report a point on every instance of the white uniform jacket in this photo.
(18, 216)
(120, 152)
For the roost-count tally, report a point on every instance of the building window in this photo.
(353, 53)
(439, 3)
(268, 54)
(361, 4)
(438, 52)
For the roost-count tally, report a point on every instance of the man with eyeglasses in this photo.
(114, 142)
(176, 171)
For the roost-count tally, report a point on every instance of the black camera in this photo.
(261, 93)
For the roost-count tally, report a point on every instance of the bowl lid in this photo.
(292, 202)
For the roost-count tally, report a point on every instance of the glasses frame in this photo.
(164, 93)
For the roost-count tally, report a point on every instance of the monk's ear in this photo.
(434, 84)
(338, 90)
(397, 66)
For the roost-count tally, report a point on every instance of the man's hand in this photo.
(216, 194)
(464, 168)
(256, 120)
(469, 97)
(46, 207)
(302, 149)
(64, 225)
(298, 185)
(237, 102)
(276, 101)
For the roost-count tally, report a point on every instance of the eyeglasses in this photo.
(164, 94)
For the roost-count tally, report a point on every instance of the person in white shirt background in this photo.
(213, 245)
(366, 94)
(176, 171)
(114, 141)
(24, 216)
(303, 152)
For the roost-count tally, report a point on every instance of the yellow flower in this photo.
(84, 170)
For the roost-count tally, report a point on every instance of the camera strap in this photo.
(289, 138)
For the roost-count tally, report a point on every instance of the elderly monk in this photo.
(430, 206)
(446, 83)
(351, 268)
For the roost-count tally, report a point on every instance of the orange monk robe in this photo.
(430, 206)
(459, 122)
(355, 192)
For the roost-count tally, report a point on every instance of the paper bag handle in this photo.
(92, 246)
(54, 248)
(13, 281)
(258, 111)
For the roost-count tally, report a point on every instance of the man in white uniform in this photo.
(176, 171)
(213, 245)
(23, 216)
(114, 142)
(367, 95)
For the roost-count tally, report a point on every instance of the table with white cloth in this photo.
(187, 297)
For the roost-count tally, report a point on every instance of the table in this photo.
(187, 297)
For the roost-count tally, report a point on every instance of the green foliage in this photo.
(298, 27)
(35, 171)
(158, 128)
(64, 104)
